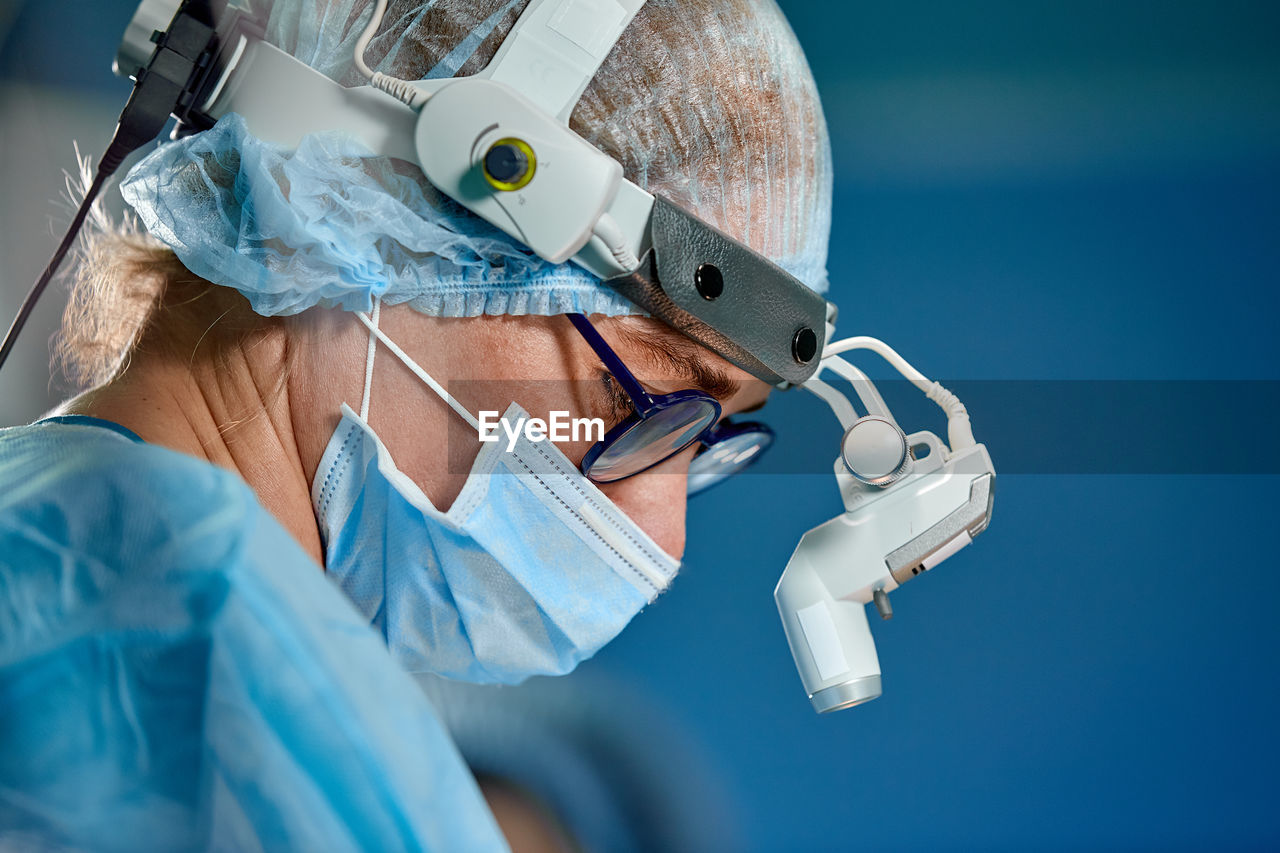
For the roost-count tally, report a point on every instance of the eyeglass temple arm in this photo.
(639, 397)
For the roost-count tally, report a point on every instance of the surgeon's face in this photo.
(487, 362)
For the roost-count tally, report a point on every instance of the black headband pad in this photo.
(727, 297)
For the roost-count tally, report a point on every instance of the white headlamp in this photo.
(910, 502)
(498, 142)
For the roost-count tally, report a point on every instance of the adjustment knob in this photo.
(509, 164)
(883, 607)
(874, 450)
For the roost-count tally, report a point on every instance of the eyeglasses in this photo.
(662, 425)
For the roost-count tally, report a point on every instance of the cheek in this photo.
(656, 500)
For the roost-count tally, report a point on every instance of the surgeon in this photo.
(219, 564)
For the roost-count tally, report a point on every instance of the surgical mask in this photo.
(530, 571)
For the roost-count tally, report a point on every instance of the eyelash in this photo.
(617, 399)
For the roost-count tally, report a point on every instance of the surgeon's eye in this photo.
(616, 400)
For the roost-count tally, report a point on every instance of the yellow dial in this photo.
(509, 164)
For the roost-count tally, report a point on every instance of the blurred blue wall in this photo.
(1025, 191)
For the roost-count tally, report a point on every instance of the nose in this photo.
(656, 500)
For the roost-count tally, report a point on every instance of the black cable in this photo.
(33, 295)
(181, 59)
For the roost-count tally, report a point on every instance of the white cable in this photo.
(368, 363)
(839, 403)
(419, 372)
(401, 90)
(362, 43)
(866, 391)
(885, 351)
(610, 233)
(959, 430)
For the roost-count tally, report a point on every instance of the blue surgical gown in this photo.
(176, 673)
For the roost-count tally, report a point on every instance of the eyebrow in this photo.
(684, 359)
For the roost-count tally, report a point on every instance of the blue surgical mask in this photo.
(530, 571)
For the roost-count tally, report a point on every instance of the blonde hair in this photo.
(130, 295)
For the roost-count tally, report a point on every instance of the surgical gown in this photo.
(176, 673)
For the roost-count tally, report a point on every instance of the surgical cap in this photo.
(707, 102)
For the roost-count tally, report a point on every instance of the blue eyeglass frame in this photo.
(648, 405)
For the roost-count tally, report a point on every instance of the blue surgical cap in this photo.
(709, 103)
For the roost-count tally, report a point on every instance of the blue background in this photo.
(1025, 191)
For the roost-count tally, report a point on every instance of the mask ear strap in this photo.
(375, 332)
(368, 361)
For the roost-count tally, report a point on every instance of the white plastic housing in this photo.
(839, 566)
(283, 100)
(828, 636)
(572, 184)
(556, 48)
